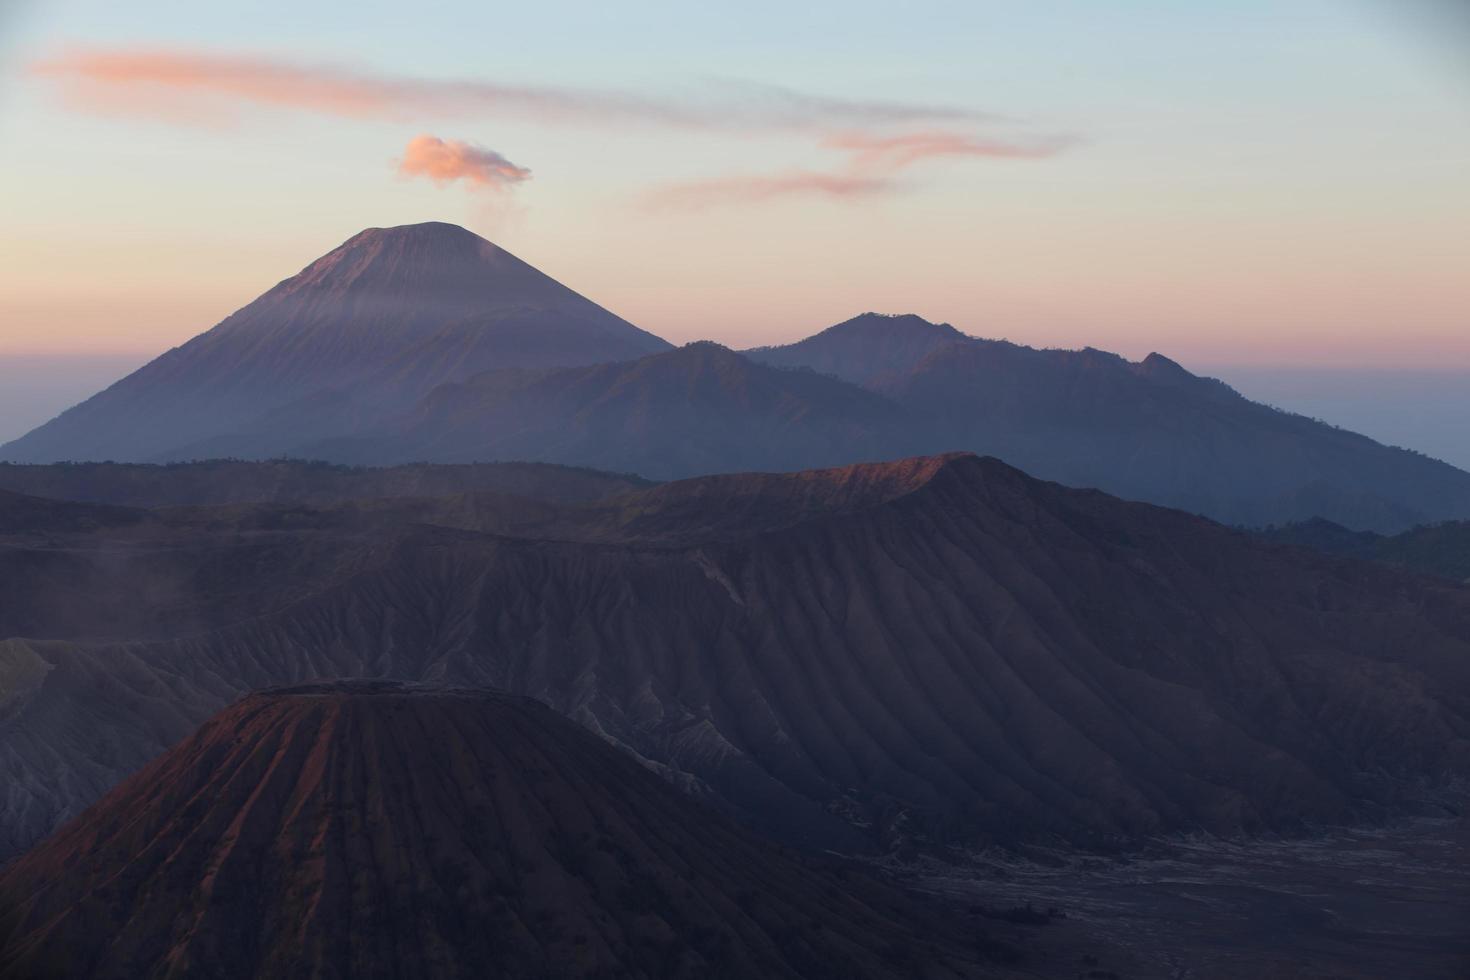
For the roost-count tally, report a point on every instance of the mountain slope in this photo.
(699, 409)
(943, 648)
(370, 326)
(1146, 431)
(372, 829)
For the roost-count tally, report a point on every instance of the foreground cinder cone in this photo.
(371, 829)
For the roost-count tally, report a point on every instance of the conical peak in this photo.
(439, 228)
(437, 235)
(434, 251)
(412, 280)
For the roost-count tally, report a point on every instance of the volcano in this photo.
(373, 829)
(358, 334)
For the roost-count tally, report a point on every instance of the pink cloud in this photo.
(197, 88)
(874, 164)
(757, 188)
(445, 161)
(893, 153)
(139, 81)
(100, 78)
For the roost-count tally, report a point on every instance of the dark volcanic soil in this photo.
(1352, 905)
(289, 481)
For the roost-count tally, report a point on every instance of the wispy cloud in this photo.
(893, 153)
(874, 164)
(759, 188)
(881, 138)
(446, 161)
(143, 80)
(752, 105)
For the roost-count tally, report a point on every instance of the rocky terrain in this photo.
(369, 829)
(936, 651)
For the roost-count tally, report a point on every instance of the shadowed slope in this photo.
(23, 514)
(296, 481)
(360, 829)
(699, 409)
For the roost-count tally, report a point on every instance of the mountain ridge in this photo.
(934, 649)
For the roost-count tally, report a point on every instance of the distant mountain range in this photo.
(1433, 549)
(427, 343)
(936, 649)
(370, 829)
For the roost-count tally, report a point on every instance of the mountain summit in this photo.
(387, 286)
(365, 329)
(865, 348)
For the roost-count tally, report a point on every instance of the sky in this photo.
(1254, 183)
(1424, 410)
